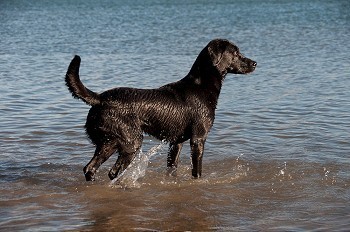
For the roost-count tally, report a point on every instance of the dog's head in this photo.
(226, 58)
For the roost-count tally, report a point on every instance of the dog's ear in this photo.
(216, 49)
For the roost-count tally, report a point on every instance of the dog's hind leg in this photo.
(123, 161)
(102, 153)
(173, 157)
(127, 154)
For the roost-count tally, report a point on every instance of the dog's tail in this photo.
(76, 87)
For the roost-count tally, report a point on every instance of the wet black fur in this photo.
(176, 112)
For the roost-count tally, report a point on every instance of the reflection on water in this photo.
(277, 157)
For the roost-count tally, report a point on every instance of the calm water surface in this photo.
(277, 157)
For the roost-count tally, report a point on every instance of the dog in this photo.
(176, 112)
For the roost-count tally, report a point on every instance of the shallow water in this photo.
(277, 157)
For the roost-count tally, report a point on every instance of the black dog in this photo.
(176, 112)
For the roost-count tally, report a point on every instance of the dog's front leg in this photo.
(173, 158)
(197, 148)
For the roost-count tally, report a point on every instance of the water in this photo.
(277, 157)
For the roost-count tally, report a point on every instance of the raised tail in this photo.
(76, 87)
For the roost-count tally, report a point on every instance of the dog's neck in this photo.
(204, 73)
(207, 78)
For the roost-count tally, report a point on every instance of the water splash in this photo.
(137, 169)
(283, 170)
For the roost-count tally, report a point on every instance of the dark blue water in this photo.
(277, 157)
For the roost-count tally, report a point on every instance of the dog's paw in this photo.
(113, 173)
(89, 176)
(196, 174)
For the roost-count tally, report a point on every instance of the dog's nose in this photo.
(254, 64)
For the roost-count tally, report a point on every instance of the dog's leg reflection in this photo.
(173, 158)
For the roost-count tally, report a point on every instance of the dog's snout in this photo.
(254, 63)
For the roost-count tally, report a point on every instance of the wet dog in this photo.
(176, 112)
